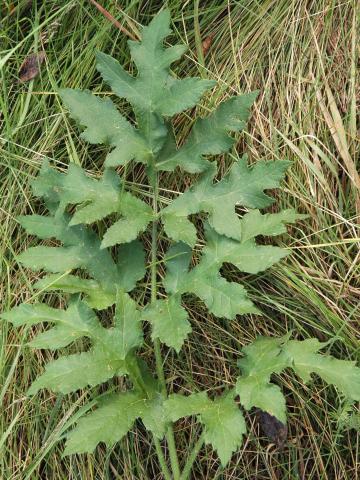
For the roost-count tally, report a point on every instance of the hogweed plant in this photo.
(115, 263)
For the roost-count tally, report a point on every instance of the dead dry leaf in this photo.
(206, 44)
(31, 66)
(275, 430)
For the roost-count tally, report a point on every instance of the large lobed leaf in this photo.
(105, 124)
(242, 185)
(81, 246)
(222, 298)
(155, 95)
(266, 356)
(95, 199)
(110, 346)
(209, 136)
(223, 422)
(113, 418)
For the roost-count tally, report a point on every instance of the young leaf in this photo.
(153, 93)
(167, 97)
(222, 420)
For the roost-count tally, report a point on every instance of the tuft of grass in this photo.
(302, 56)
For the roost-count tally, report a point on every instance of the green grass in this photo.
(301, 55)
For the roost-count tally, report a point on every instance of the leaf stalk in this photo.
(154, 180)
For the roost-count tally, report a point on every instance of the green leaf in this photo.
(223, 422)
(243, 185)
(169, 321)
(113, 418)
(108, 355)
(109, 423)
(75, 322)
(247, 257)
(272, 355)
(153, 415)
(254, 223)
(180, 229)
(104, 124)
(82, 250)
(223, 298)
(167, 97)
(182, 94)
(153, 93)
(130, 264)
(136, 217)
(47, 183)
(209, 136)
(266, 396)
(97, 199)
(178, 406)
(128, 323)
(70, 373)
(177, 266)
(95, 296)
(53, 259)
(262, 358)
(304, 359)
(46, 227)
